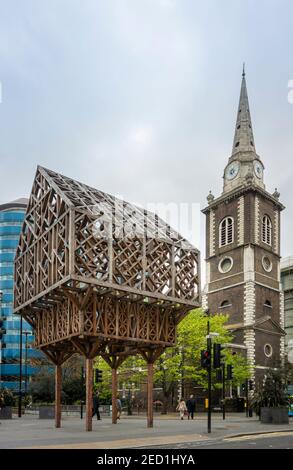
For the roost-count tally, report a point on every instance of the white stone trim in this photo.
(256, 220)
(266, 285)
(276, 231)
(249, 318)
(249, 342)
(248, 264)
(222, 260)
(234, 346)
(249, 303)
(208, 273)
(282, 310)
(266, 368)
(240, 217)
(257, 283)
(269, 269)
(282, 325)
(271, 350)
(212, 234)
(204, 302)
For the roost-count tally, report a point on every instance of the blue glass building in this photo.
(11, 219)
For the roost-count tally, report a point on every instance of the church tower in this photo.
(243, 251)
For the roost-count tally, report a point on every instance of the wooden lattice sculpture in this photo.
(97, 275)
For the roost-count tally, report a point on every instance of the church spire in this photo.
(243, 138)
(244, 166)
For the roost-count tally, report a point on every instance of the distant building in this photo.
(11, 218)
(287, 284)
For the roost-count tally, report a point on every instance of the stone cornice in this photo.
(235, 193)
(256, 326)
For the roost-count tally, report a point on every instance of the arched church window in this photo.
(267, 230)
(226, 229)
(225, 303)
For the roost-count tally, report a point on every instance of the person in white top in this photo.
(181, 407)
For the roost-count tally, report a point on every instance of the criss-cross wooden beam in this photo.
(95, 275)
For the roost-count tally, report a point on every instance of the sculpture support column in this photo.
(89, 393)
(114, 396)
(150, 416)
(58, 381)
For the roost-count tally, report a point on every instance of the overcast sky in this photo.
(139, 97)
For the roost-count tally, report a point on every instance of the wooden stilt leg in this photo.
(114, 396)
(150, 419)
(58, 380)
(89, 393)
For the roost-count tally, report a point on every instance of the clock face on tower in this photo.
(258, 170)
(232, 170)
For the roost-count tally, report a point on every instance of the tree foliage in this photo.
(42, 386)
(181, 362)
(272, 391)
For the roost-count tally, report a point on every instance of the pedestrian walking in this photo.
(191, 405)
(119, 407)
(96, 404)
(181, 407)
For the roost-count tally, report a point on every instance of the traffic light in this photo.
(218, 357)
(243, 388)
(205, 359)
(250, 385)
(98, 375)
(229, 372)
(219, 376)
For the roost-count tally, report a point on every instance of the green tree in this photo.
(181, 362)
(42, 386)
(272, 391)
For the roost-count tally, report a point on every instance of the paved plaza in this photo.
(129, 432)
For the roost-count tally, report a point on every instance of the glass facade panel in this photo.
(11, 219)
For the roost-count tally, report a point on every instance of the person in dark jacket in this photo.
(191, 404)
(96, 404)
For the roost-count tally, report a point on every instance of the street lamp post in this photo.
(247, 398)
(209, 348)
(210, 335)
(224, 390)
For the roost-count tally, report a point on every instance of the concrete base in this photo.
(47, 412)
(274, 415)
(6, 412)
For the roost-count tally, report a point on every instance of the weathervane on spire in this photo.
(243, 70)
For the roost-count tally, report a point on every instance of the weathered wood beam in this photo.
(79, 346)
(150, 399)
(114, 395)
(89, 393)
(58, 382)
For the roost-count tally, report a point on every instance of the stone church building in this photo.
(243, 251)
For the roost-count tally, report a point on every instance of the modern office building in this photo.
(287, 284)
(11, 218)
